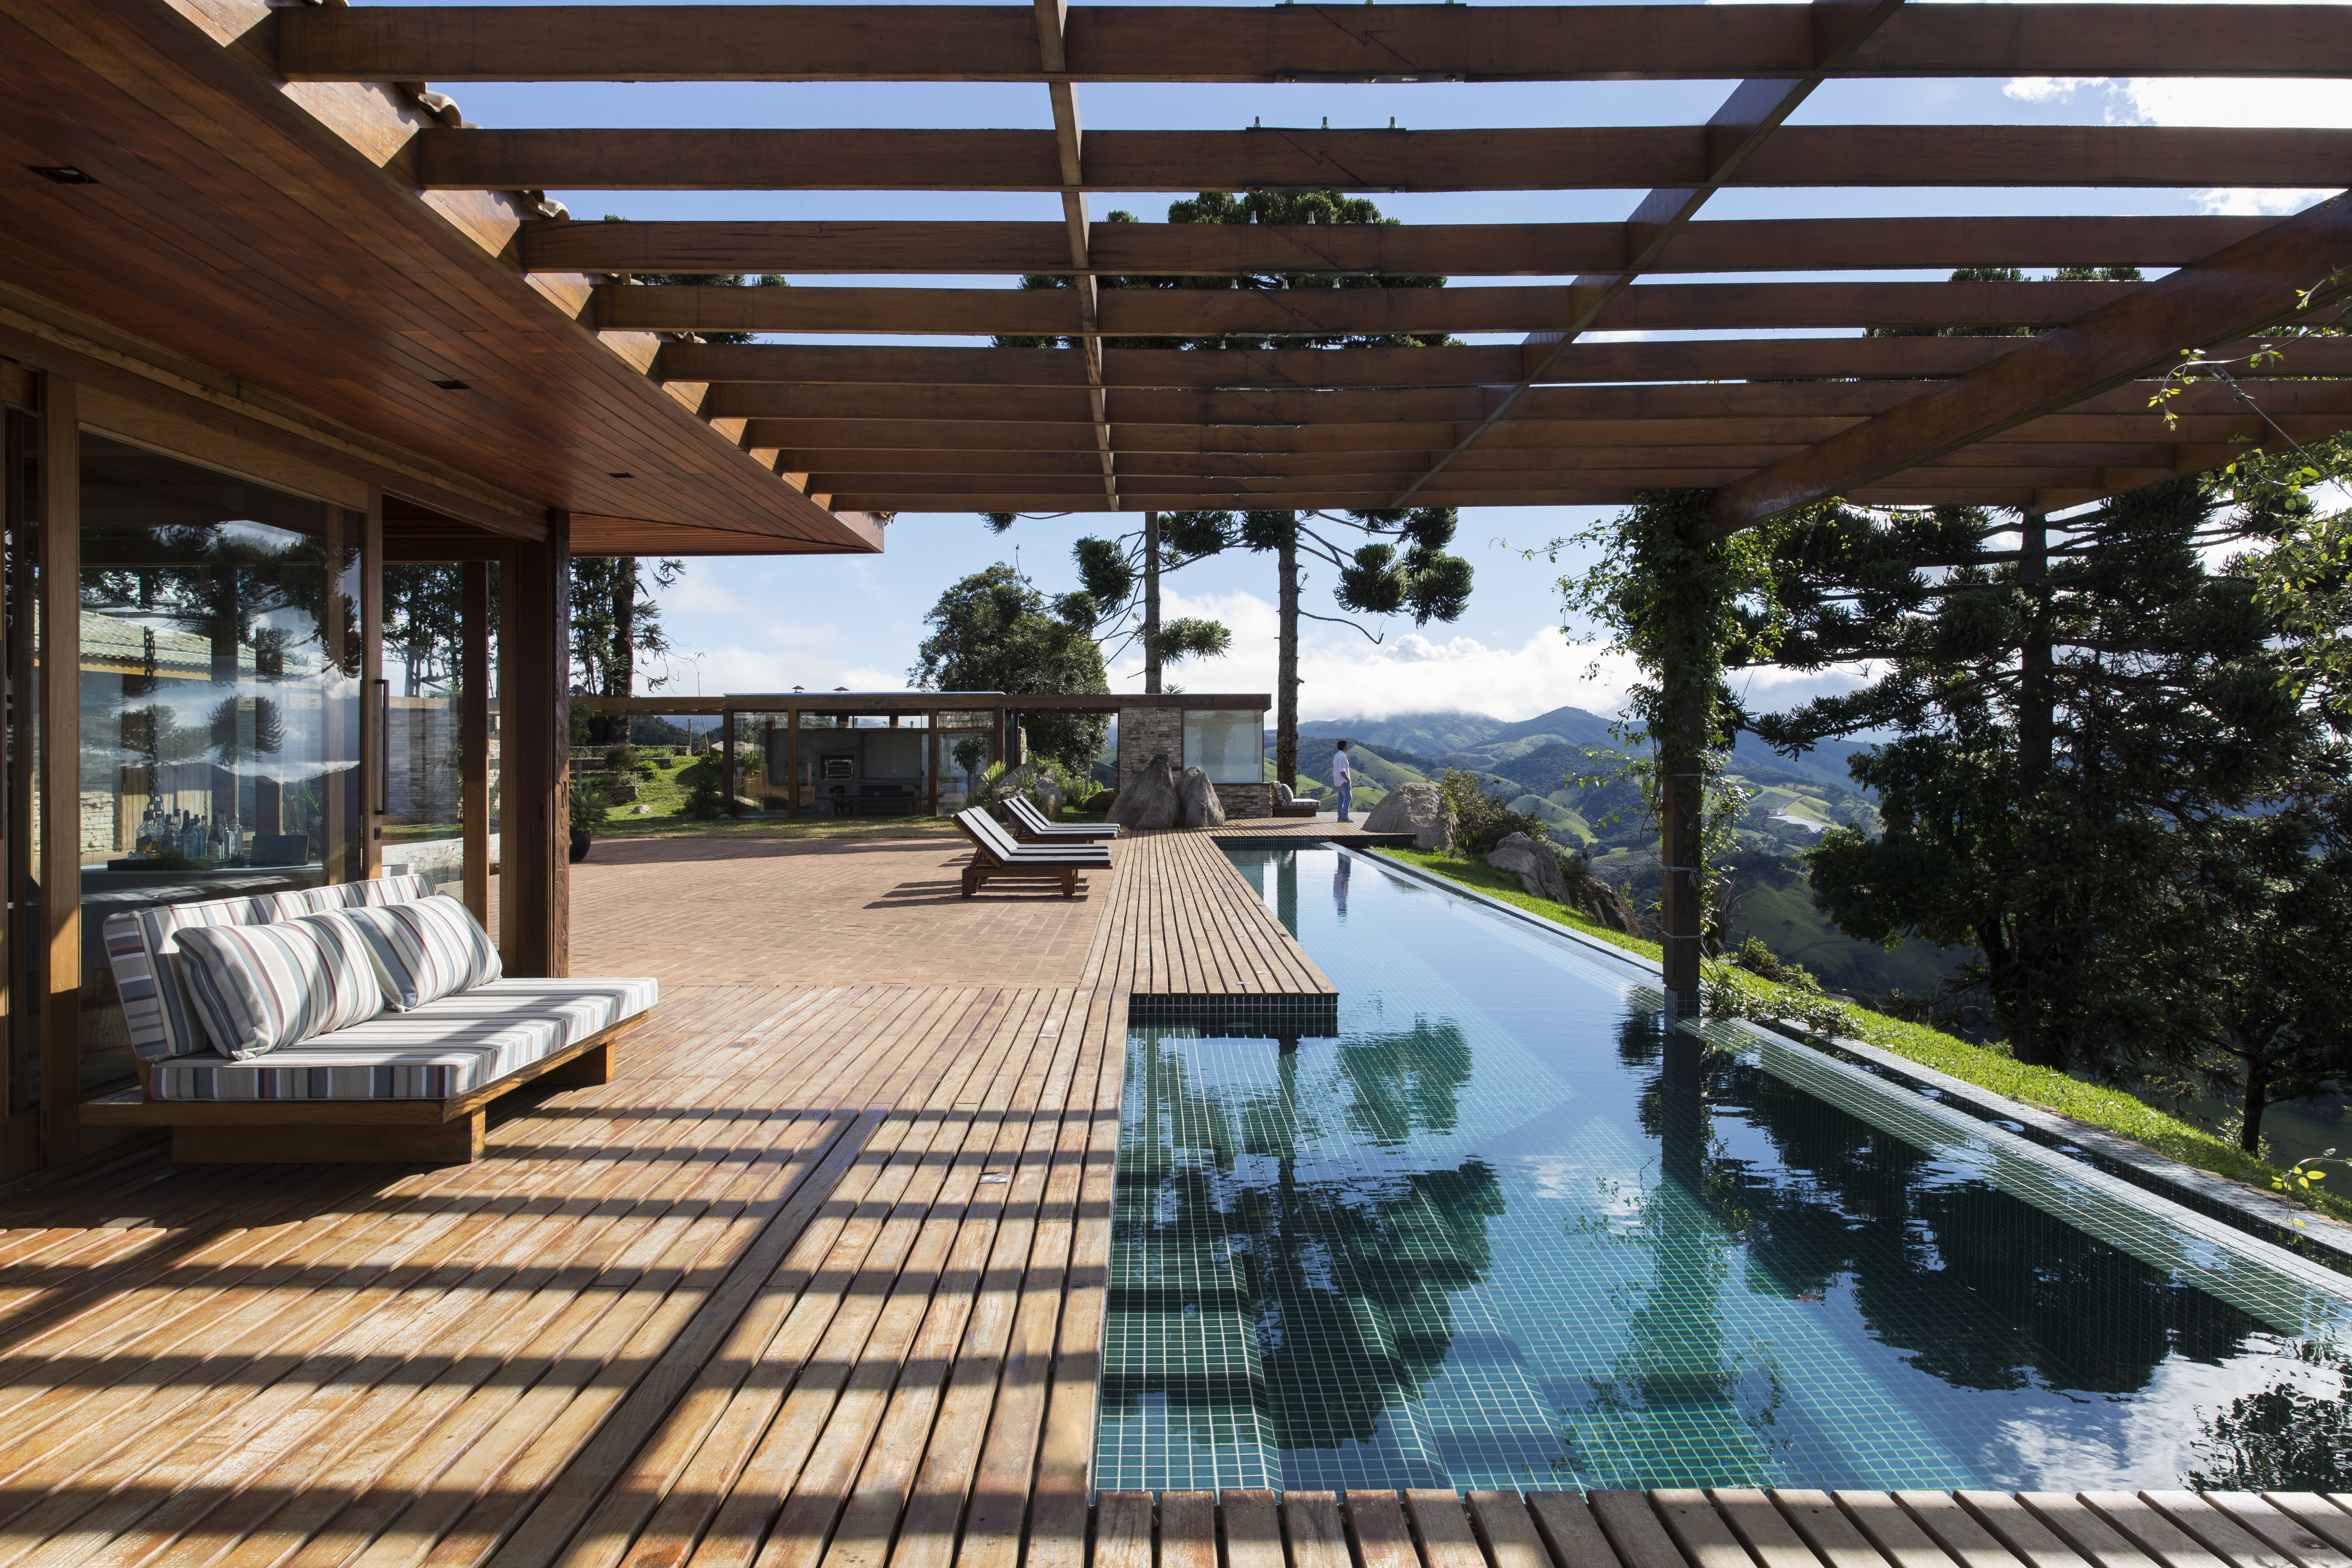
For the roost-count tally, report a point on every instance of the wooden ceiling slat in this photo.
(1461, 251)
(1367, 312)
(2234, 292)
(1524, 159)
(1533, 43)
(735, 371)
(834, 471)
(935, 409)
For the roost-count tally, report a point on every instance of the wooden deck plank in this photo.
(1956, 1530)
(1760, 1527)
(2090, 1537)
(2316, 1514)
(1703, 1535)
(2216, 1528)
(2280, 1532)
(1635, 1530)
(1832, 1536)
(1504, 1527)
(1318, 1537)
(2014, 1526)
(815, 1440)
(1377, 1526)
(1571, 1528)
(1442, 1523)
(894, 1159)
(1254, 1530)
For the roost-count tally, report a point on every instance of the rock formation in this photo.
(1536, 865)
(1419, 809)
(1198, 804)
(1149, 801)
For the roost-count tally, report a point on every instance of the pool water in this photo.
(1510, 1229)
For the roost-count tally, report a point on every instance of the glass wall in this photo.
(1228, 744)
(424, 699)
(220, 700)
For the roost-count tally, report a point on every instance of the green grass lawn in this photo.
(1738, 992)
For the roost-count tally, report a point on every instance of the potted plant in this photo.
(588, 811)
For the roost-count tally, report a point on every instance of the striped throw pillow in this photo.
(258, 987)
(424, 951)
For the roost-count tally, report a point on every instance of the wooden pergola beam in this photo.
(937, 411)
(2241, 290)
(1529, 159)
(923, 471)
(1247, 312)
(1459, 250)
(1686, 360)
(991, 43)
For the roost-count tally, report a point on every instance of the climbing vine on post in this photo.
(1684, 606)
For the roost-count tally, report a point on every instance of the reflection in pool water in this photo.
(1507, 1229)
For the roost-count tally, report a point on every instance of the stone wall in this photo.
(1147, 733)
(1246, 799)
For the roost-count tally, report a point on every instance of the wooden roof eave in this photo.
(363, 291)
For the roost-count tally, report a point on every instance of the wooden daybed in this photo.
(408, 1085)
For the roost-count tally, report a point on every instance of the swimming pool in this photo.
(1509, 1229)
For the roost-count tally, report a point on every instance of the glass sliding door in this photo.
(220, 682)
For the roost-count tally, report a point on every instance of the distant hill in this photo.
(1436, 734)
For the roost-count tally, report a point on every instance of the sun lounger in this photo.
(1032, 826)
(995, 854)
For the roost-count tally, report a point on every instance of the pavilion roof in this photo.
(2044, 421)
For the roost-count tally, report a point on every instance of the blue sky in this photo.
(769, 624)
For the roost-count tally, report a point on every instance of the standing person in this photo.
(1343, 779)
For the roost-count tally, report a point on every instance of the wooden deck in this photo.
(816, 1282)
(1723, 1528)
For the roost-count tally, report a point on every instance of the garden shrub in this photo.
(1482, 818)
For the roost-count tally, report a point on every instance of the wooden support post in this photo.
(376, 694)
(59, 873)
(998, 735)
(1286, 663)
(22, 944)
(931, 765)
(1681, 753)
(474, 733)
(535, 755)
(2037, 696)
(791, 762)
(1152, 604)
(768, 757)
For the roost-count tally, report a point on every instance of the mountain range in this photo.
(1478, 742)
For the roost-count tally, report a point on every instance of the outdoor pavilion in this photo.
(257, 266)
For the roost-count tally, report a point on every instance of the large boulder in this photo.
(1598, 902)
(1535, 864)
(1151, 801)
(1198, 804)
(1419, 809)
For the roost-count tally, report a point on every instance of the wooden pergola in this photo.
(2041, 422)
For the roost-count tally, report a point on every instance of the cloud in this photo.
(2210, 100)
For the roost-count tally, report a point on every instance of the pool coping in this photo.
(2271, 1219)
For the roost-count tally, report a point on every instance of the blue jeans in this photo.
(1347, 799)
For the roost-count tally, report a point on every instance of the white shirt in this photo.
(1341, 772)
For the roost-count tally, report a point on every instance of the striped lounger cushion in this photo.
(142, 947)
(424, 951)
(259, 988)
(445, 1048)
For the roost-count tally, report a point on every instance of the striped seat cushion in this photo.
(443, 1048)
(259, 988)
(424, 951)
(142, 947)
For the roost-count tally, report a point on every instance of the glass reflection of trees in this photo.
(1333, 1280)
(206, 602)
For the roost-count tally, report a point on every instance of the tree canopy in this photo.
(993, 631)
